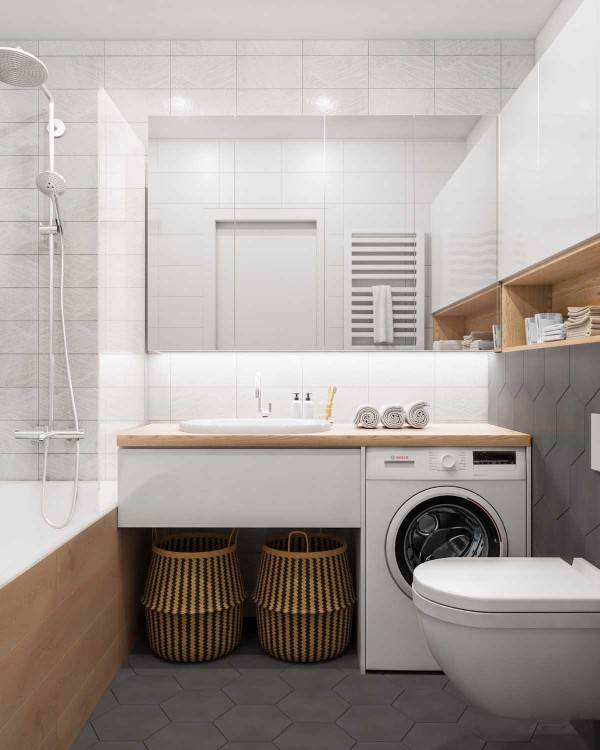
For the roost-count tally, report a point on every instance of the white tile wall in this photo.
(187, 386)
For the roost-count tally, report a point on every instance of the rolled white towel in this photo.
(393, 416)
(417, 414)
(366, 416)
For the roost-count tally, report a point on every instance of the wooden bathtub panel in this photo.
(57, 658)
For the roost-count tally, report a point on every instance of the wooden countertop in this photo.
(464, 435)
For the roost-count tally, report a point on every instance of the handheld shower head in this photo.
(51, 183)
(20, 68)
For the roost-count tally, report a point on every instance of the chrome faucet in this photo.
(262, 412)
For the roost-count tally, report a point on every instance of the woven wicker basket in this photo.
(194, 596)
(304, 597)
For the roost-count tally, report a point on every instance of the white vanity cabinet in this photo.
(246, 487)
(548, 163)
(464, 225)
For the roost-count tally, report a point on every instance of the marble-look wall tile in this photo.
(402, 72)
(335, 47)
(203, 47)
(18, 270)
(467, 71)
(269, 102)
(19, 303)
(138, 72)
(269, 47)
(203, 102)
(75, 72)
(18, 337)
(78, 48)
(401, 47)
(203, 72)
(18, 238)
(18, 106)
(515, 69)
(18, 371)
(18, 171)
(335, 71)
(18, 204)
(137, 105)
(402, 101)
(467, 46)
(467, 101)
(269, 72)
(518, 46)
(335, 101)
(18, 138)
(138, 47)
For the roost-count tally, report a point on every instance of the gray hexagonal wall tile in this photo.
(257, 687)
(534, 371)
(496, 371)
(585, 491)
(196, 705)
(130, 723)
(310, 705)
(205, 677)
(252, 723)
(375, 723)
(570, 424)
(538, 472)
(557, 370)
(315, 737)
(495, 728)
(197, 736)
(592, 546)
(307, 678)
(585, 366)
(515, 373)
(369, 689)
(557, 482)
(441, 737)
(544, 420)
(523, 417)
(506, 408)
(438, 706)
(572, 539)
(146, 690)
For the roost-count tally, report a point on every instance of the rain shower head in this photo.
(20, 68)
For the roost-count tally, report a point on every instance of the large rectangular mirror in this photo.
(310, 233)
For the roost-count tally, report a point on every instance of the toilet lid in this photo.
(510, 584)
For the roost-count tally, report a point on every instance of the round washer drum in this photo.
(441, 522)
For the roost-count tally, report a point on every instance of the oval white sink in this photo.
(254, 426)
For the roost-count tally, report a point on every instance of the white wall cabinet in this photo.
(464, 226)
(548, 143)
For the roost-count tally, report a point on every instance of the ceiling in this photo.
(283, 19)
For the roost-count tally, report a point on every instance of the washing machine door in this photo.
(442, 522)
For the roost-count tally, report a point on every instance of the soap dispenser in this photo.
(308, 408)
(296, 406)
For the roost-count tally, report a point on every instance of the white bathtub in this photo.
(26, 539)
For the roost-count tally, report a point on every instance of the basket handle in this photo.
(233, 537)
(292, 534)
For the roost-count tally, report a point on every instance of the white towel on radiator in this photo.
(417, 414)
(393, 416)
(383, 315)
(366, 416)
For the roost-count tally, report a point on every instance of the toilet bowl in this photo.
(520, 637)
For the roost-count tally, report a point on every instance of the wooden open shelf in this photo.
(477, 312)
(571, 278)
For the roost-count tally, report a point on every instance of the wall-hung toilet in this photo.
(520, 637)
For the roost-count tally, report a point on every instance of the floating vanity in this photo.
(169, 478)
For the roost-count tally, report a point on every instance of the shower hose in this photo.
(73, 407)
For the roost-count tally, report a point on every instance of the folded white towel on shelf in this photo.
(393, 416)
(417, 414)
(383, 315)
(367, 416)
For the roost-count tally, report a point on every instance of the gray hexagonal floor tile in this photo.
(199, 679)
(249, 746)
(87, 738)
(313, 705)
(315, 737)
(257, 687)
(367, 689)
(144, 690)
(556, 736)
(375, 723)
(196, 705)
(119, 746)
(441, 737)
(422, 682)
(130, 723)
(106, 703)
(306, 678)
(496, 728)
(252, 723)
(197, 736)
(508, 746)
(437, 706)
(255, 661)
(379, 746)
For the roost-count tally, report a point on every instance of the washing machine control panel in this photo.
(438, 463)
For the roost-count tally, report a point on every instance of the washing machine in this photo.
(426, 503)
